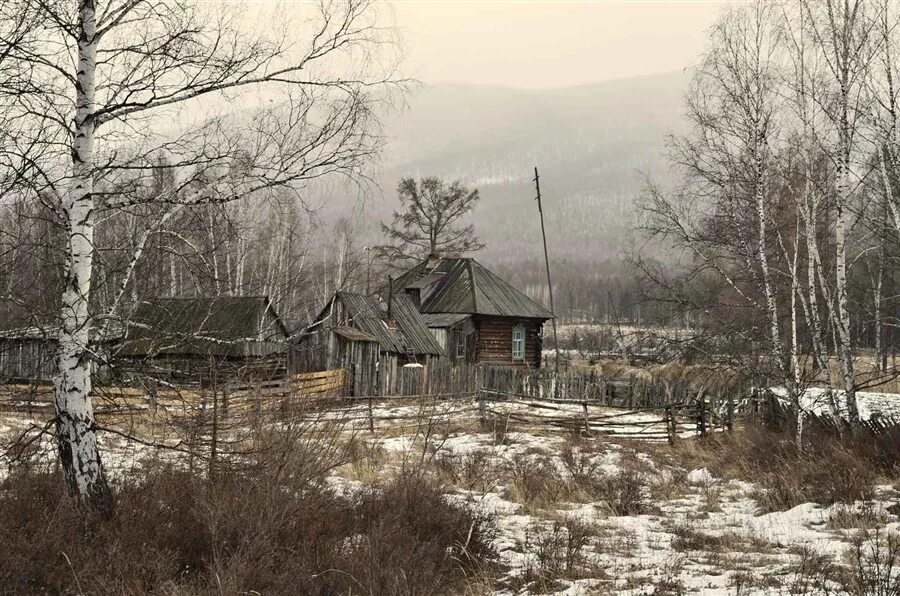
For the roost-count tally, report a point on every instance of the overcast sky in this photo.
(550, 43)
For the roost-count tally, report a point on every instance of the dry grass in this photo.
(870, 567)
(687, 538)
(273, 527)
(828, 471)
(847, 517)
(560, 552)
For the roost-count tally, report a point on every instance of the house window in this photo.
(460, 345)
(518, 342)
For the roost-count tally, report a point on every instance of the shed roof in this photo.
(218, 326)
(443, 320)
(369, 315)
(353, 334)
(463, 285)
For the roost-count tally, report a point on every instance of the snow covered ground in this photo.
(646, 525)
(871, 403)
(693, 532)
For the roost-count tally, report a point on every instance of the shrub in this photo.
(624, 491)
(533, 480)
(829, 470)
(239, 532)
(560, 553)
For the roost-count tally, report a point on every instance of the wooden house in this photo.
(200, 339)
(384, 346)
(475, 315)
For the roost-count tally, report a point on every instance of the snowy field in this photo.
(871, 403)
(693, 533)
(646, 526)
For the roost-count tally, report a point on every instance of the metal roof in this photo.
(369, 315)
(463, 285)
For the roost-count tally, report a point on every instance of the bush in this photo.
(829, 470)
(624, 491)
(238, 533)
(533, 480)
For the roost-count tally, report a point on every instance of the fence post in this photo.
(482, 407)
(587, 424)
(371, 417)
(152, 403)
(670, 425)
(729, 421)
(225, 403)
(701, 415)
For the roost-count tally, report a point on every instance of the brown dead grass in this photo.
(270, 529)
(829, 470)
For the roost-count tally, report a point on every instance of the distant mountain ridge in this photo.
(590, 142)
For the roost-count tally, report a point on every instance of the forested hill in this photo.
(590, 143)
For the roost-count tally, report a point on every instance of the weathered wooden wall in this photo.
(27, 359)
(494, 341)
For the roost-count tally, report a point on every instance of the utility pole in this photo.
(368, 268)
(537, 186)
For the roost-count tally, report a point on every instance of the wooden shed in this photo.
(385, 350)
(196, 339)
(28, 354)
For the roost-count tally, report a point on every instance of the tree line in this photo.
(787, 219)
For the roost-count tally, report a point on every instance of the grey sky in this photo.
(550, 43)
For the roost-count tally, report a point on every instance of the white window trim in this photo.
(518, 343)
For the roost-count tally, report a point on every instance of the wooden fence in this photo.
(489, 395)
(116, 401)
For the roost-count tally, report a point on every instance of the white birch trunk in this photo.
(796, 373)
(842, 320)
(75, 429)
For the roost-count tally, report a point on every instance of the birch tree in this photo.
(728, 207)
(844, 33)
(242, 104)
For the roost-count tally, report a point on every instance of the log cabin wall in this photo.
(494, 340)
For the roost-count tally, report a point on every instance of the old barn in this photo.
(197, 339)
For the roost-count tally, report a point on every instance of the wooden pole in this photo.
(537, 186)
(587, 424)
(670, 425)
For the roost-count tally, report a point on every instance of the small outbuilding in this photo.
(199, 339)
(384, 346)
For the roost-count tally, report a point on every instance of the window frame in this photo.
(518, 342)
(460, 344)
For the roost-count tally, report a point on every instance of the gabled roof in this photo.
(219, 326)
(369, 315)
(463, 285)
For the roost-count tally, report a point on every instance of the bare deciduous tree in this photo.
(429, 221)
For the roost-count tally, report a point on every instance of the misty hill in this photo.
(590, 142)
